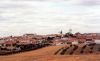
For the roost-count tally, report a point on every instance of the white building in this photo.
(97, 41)
(75, 42)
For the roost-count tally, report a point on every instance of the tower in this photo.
(61, 34)
(70, 30)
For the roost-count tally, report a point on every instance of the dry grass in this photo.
(47, 54)
(9, 47)
(4, 51)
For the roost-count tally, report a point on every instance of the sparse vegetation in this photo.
(75, 47)
(65, 46)
(68, 35)
(81, 51)
(71, 52)
(48, 53)
(90, 51)
(47, 41)
(99, 49)
(58, 50)
(24, 48)
(64, 50)
(70, 45)
(92, 44)
(84, 47)
(91, 47)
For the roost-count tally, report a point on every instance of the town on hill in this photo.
(27, 42)
(54, 39)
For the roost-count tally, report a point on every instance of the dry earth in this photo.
(47, 54)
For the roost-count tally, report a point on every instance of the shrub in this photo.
(71, 52)
(99, 49)
(57, 51)
(67, 47)
(5, 48)
(92, 44)
(90, 51)
(75, 47)
(91, 47)
(24, 48)
(84, 47)
(64, 50)
(81, 51)
(70, 45)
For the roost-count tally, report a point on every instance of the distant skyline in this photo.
(43, 17)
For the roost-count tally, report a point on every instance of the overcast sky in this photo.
(42, 17)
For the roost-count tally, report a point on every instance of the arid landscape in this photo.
(49, 30)
(47, 54)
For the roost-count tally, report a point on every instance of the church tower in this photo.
(70, 30)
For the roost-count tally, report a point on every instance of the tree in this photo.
(75, 47)
(90, 51)
(71, 52)
(81, 51)
(48, 41)
(11, 36)
(91, 47)
(44, 41)
(84, 47)
(50, 38)
(99, 49)
(77, 33)
(70, 45)
(68, 34)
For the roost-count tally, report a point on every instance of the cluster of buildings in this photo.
(78, 38)
(57, 39)
(24, 39)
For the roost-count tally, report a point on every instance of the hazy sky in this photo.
(48, 16)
